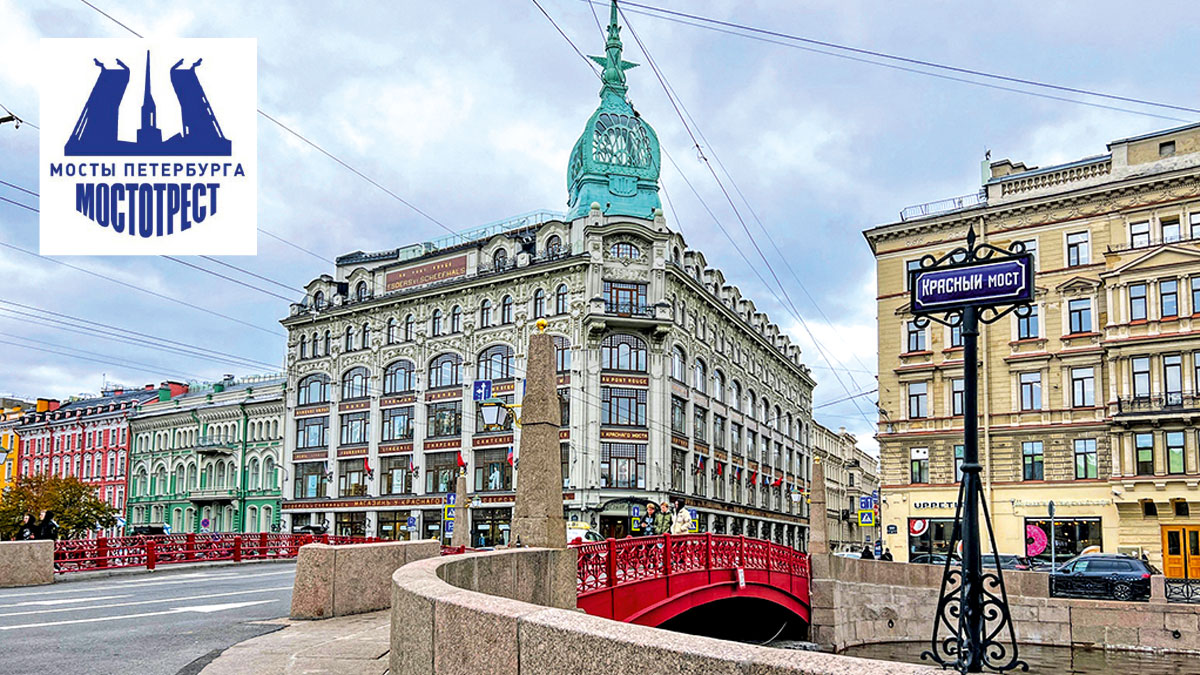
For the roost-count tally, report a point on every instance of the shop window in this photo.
(310, 480)
(397, 424)
(1071, 536)
(493, 473)
(393, 525)
(352, 478)
(396, 475)
(444, 419)
(441, 470)
(491, 527)
(623, 465)
(351, 524)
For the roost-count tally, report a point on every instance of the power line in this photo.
(860, 394)
(18, 187)
(18, 118)
(247, 272)
(24, 206)
(227, 278)
(154, 369)
(318, 256)
(708, 22)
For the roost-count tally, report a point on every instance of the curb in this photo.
(68, 577)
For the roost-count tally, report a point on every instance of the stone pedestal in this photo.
(27, 563)
(538, 513)
(818, 515)
(462, 529)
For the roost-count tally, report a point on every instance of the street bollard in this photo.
(151, 556)
(102, 552)
(237, 548)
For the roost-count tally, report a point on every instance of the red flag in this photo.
(751, 480)
(510, 457)
(719, 470)
(366, 464)
(462, 463)
(777, 482)
(411, 465)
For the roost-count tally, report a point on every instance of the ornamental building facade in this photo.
(1091, 401)
(850, 475)
(209, 460)
(86, 438)
(673, 386)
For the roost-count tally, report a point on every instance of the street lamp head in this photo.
(494, 411)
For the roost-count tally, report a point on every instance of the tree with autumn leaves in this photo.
(77, 509)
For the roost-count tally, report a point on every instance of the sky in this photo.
(468, 110)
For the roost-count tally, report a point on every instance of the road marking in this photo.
(63, 601)
(204, 609)
(140, 602)
(145, 583)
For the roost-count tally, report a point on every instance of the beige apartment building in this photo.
(1091, 402)
(850, 474)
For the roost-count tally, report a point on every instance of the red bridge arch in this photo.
(648, 580)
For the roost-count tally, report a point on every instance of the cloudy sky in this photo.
(469, 110)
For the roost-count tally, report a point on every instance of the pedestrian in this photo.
(662, 524)
(867, 554)
(887, 555)
(648, 521)
(46, 527)
(26, 528)
(681, 523)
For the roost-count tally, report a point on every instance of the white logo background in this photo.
(229, 76)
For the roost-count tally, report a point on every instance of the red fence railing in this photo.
(614, 562)
(105, 553)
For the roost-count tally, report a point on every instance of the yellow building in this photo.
(10, 416)
(850, 474)
(1091, 402)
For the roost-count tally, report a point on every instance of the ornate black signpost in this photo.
(972, 628)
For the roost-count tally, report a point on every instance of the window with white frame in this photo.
(918, 400)
(1079, 315)
(1083, 387)
(1078, 249)
(1031, 390)
(916, 337)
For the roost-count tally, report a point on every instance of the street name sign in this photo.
(981, 284)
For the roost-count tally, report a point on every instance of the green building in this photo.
(208, 460)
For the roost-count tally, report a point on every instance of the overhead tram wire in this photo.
(310, 143)
(790, 303)
(227, 278)
(20, 119)
(816, 343)
(114, 361)
(155, 372)
(16, 203)
(709, 23)
(18, 187)
(278, 238)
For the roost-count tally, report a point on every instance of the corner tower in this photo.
(616, 160)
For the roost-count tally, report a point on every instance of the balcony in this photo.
(1159, 404)
(213, 495)
(943, 206)
(629, 309)
(1148, 243)
(216, 445)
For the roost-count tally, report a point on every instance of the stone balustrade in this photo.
(351, 579)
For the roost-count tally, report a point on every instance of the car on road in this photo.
(931, 559)
(1103, 575)
(1009, 561)
(848, 554)
(310, 529)
(583, 532)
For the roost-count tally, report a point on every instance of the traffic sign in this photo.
(695, 526)
(482, 390)
(979, 284)
(637, 511)
(878, 548)
(449, 527)
(866, 518)
(864, 503)
(451, 500)
(412, 523)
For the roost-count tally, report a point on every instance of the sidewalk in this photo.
(346, 645)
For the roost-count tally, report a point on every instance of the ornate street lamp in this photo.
(496, 412)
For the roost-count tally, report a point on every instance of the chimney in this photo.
(218, 387)
(47, 405)
(164, 392)
(149, 387)
(176, 387)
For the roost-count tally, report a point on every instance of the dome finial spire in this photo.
(614, 66)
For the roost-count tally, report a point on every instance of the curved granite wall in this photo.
(509, 612)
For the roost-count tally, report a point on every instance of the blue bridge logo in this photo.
(96, 131)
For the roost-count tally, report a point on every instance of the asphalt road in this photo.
(156, 623)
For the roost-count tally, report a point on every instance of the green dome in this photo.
(616, 161)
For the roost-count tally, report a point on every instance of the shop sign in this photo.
(1062, 502)
(427, 273)
(935, 505)
(892, 529)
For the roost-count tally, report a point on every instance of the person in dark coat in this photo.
(26, 528)
(887, 555)
(46, 527)
(867, 553)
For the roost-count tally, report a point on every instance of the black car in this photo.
(310, 529)
(932, 559)
(1107, 576)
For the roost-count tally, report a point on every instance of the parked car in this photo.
(146, 530)
(1009, 561)
(848, 554)
(583, 532)
(931, 559)
(310, 529)
(1103, 575)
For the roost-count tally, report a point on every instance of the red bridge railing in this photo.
(105, 553)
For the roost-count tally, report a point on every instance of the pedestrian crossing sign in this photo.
(866, 518)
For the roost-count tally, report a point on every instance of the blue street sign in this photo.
(864, 503)
(982, 284)
(482, 390)
(637, 511)
(449, 527)
(412, 522)
(878, 548)
(451, 498)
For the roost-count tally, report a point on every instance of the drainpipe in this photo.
(242, 467)
(984, 328)
(191, 527)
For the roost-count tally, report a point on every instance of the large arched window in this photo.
(553, 245)
(560, 299)
(500, 259)
(485, 313)
(398, 377)
(191, 476)
(392, 329)
(268, 477)
(354, 383)
(253, 476)
(679, 364)
(495, 363)
(409, 323)
(539, 303)
(349, 338)
(456, 319)
(623, 352)
(506, 310)
(625, 249)
(360, 291)
(719, 385)
(445, 370)
(304, 346)
(435, 324)
(700, 377)
(319, 300)
(562, 354)
(313, 389)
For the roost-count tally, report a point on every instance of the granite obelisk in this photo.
(538, 513)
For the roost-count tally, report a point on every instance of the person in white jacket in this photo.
(681, 523)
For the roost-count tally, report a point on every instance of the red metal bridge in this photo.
(105, 553)
(649, 580)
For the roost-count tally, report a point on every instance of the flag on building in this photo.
(462, 463)
(510, 457)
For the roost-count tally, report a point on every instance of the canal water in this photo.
(1055, 660)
